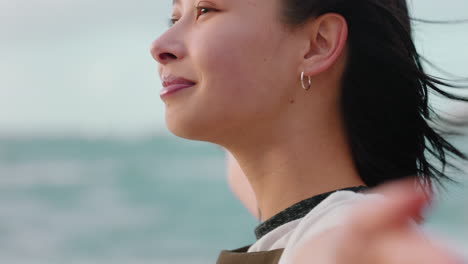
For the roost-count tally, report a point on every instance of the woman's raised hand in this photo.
(379, 232)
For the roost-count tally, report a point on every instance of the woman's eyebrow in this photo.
(175, 2)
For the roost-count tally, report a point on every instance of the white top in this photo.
(328, 214)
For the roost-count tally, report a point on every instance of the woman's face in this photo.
(238, 65)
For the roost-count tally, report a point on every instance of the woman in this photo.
(317, 100)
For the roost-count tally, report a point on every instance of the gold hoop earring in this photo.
(302, 82)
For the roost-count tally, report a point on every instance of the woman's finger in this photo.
(408, 247)
(400, 203)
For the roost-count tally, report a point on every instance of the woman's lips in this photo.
(173, 84)
(173, 88)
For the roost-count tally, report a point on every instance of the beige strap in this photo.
(241, 256)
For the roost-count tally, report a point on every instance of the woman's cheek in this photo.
(231, 61)
(223, 64)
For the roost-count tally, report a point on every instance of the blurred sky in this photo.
(83, 67)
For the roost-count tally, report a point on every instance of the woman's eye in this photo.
(203, 10)
(200, 10)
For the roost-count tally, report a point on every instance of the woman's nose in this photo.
(165, 50)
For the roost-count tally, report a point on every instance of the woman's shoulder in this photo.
(336, 206)
(330, 213)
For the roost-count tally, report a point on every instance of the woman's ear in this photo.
(327, 37)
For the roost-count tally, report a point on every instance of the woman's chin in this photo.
(209, 126)
(188, 129)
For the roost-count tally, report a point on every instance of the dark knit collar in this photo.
(297, 211)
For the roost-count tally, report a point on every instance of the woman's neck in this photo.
(284, 170)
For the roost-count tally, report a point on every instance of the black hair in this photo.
(384, 96)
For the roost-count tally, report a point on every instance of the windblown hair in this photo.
(384, 96)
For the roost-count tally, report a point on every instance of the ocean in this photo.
(160, 199)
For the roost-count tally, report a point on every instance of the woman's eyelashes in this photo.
(201, 9)
(204, 7)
